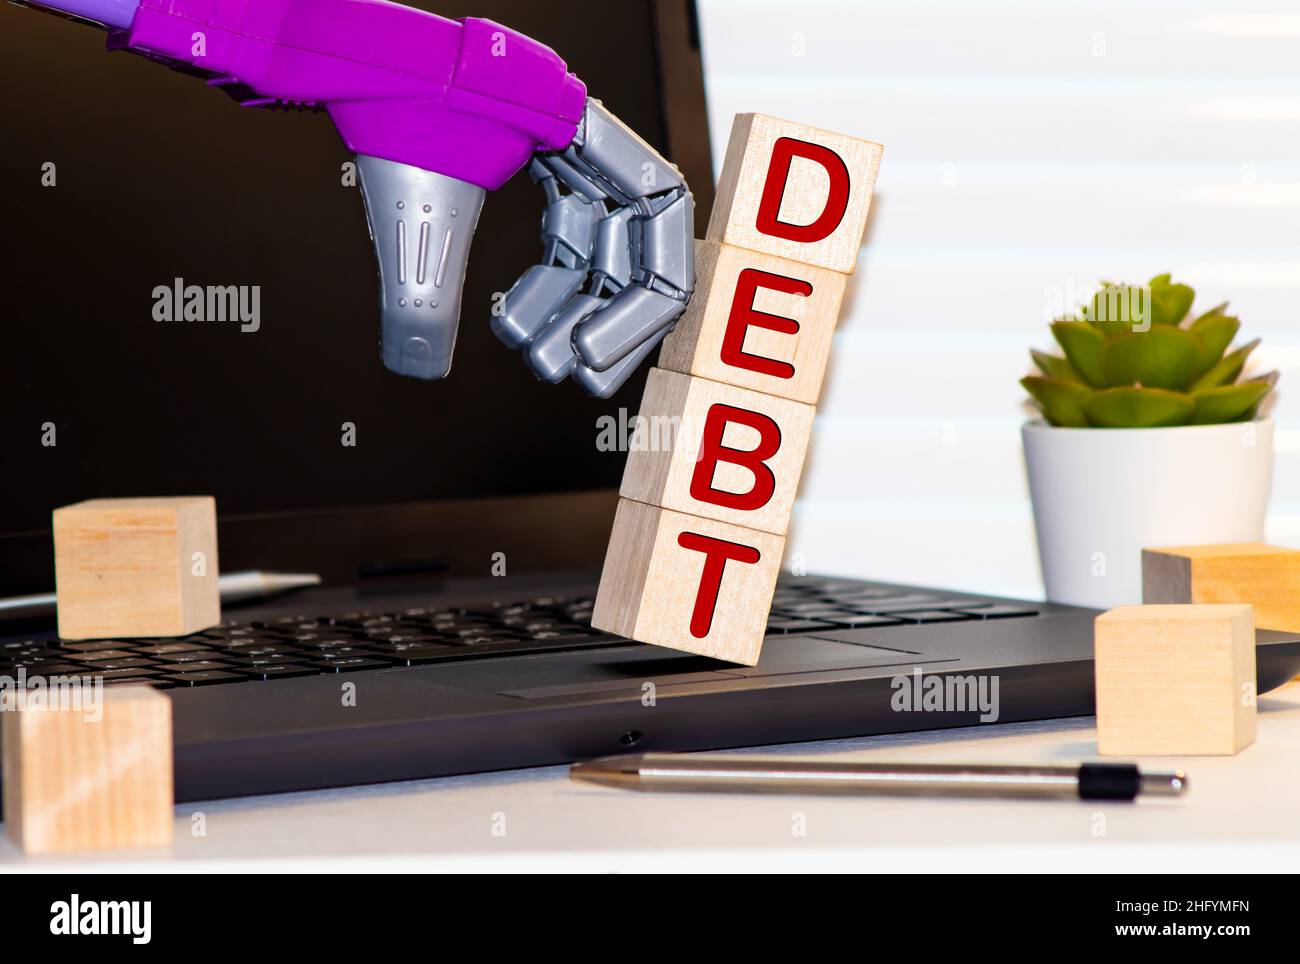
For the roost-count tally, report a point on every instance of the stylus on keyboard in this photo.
(742, 774)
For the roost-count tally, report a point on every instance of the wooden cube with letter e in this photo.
(757, 321)
(726, 417)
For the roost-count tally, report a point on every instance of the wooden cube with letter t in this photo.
(725, 422)
(671, 578)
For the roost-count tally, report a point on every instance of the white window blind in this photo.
(1030, 150)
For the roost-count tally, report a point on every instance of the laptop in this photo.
(458, 526)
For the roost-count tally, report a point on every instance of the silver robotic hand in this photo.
(617, 271)
(618, 266)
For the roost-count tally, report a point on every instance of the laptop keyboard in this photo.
(241, 652)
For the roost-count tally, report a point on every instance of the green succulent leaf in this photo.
(1059, 399)
(1226, 369)
(1163, 357)
(1169, 302)
(1082, 346)
(1054, 366)
(1137, 408)
(1269, 379)
(1216, 310)
(1228, 403)
(1216, 332)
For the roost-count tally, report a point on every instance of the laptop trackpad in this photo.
(629, 669)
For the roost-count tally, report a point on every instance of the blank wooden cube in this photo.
(688, 583)
(1175, 680)
(137, 567)
(1267, 577)
(758, 322)
(794, 191)
(75, 782)
(717, 451)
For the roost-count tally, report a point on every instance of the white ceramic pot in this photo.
(1101, 494)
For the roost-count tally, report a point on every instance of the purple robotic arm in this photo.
(439, 112)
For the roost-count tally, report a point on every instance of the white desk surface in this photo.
(1241, 813)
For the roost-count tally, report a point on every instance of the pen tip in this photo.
(1164, 783)
(614, 771)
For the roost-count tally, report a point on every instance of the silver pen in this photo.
(747, 774)
(235, 586)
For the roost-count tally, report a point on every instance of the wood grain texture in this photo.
(696, 344)
(127, 567)
(1267, 577)
(679, 413)
(735, 218)
(1175, 680)
(651, 583)
(74, 782)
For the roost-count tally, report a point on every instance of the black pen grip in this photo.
(1109, 781)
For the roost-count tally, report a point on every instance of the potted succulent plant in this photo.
(1149, 436)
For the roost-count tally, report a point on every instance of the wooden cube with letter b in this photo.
(717, 451)
(725, 422)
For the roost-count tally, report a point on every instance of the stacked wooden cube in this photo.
(725, 421)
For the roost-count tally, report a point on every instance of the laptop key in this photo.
(336, 652)
(999, 611)
(348, 664)
(196, 667)
(189, 656)
(418, 656)
(280, 671)
(239, 659)
(135, 661)
(101, 654)
(786, 626)
(91, 646)
(206, 678)
(246, 643)
(933, 616)
(854, 620)
(46, 668)
(111, 674)
(168, 649)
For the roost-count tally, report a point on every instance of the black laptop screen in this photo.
(158, 178)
